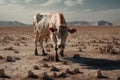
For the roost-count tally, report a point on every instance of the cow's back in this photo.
(43, 26)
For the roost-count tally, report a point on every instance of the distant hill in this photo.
(104, 23)
(85, 23)
(11, 23)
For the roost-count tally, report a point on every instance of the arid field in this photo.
(92, 53)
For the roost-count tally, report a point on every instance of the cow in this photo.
(53, 26)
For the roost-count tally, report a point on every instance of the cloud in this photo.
(50, 2)
(2, 1)
(27, 1)
(73, 2)
(14, 12)
(111, 15)
(13, 1)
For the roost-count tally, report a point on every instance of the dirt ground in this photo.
(89, 50)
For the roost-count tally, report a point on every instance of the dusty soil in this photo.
(89, 49)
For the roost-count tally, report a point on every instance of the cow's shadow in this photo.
(93, 63)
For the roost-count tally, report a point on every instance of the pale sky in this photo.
(73, 10)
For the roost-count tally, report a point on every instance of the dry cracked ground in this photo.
(92, 53)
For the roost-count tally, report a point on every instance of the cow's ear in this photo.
(72, 30)
(52, 29)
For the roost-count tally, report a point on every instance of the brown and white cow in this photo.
(53, 26)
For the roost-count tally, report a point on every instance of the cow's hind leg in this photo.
(41, 45)
(36, 39)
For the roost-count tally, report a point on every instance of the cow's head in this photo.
(61, 34)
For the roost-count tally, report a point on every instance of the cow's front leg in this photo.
(54, 41)
(56, 55)
(41, 45)
(62, 52)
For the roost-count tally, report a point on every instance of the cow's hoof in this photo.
(44, 54)
(36, 52)
(57, 60)
(61, 53)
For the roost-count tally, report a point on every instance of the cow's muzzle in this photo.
(61, 46)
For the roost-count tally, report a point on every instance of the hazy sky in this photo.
(74, 10)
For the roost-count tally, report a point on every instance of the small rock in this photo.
(17, 58)
(17, 44)
(55, 74)
(53, 68)
(1, 57)
(10, 59)
(69, 71)
(62, 74)
(84, 47)
(36, 67)
(15, 51)
(77, 56)
(9, 48)
(2, 73)
(32, 75)
(45, 59)
(45, 76)
(45, 65)
(65, 62)
(80, 49)
(98, 74)
(76, 70)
